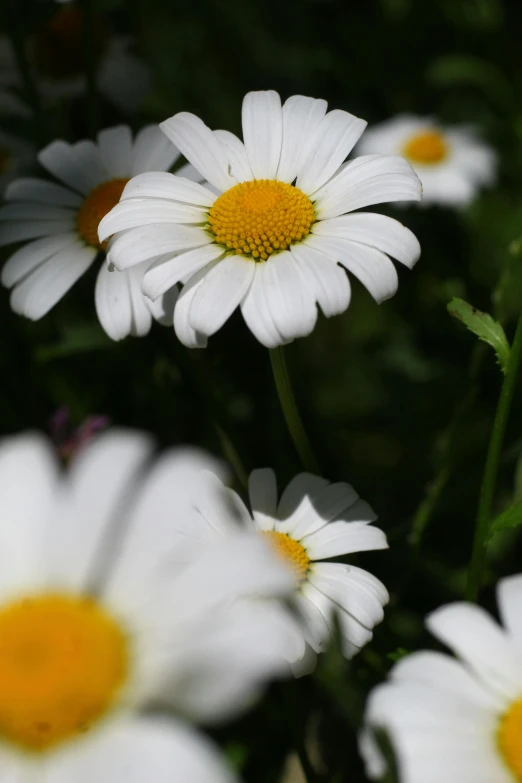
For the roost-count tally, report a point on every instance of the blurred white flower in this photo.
(62, 220)
(313, 521)
(452, 162)
(272, 241)
(456, 721)
(97, 629)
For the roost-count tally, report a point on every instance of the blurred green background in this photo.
(397, 399)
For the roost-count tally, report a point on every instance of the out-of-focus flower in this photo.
(97, 628)
(452, 162)
(67, 438)
(16, 155)
(313, 521)
(272, 240)
(456, 721)
(62, 222)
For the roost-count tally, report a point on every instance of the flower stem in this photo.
(489, 479)
(293, 419)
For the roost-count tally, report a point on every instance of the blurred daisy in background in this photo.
(456, 721)
(271, 240)
(97, 630)
(452, 162)
(62, 222)
(16, 156)
(312, 522)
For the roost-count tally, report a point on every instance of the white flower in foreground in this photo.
(271, 241)
(62, 222)
(455, 721)
(313, 521)
(97, 628)
(452, 162)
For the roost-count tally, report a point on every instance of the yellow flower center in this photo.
(510, 739)
(291, 551)
(261, 217)
(428, 148)
(63, 660)
(95, 206)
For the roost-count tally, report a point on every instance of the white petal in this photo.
(301, 118)
(45, 286)
(141, 750)
(120, 304)
(32, 255)
(330, 143)
(288, 298)
(343, 586)
(328, 283)
(159, 184)
(262, 493)
(317, 507)
(342, 538)
(263, 132)
(33, 189)
(132, 213)
(257, 314)
(373, 268)
(303, 485)
(317, 611)
(142, 244)
(236, 154)
(115, 145)
(220, 293)
(182, 326)
(16, 232)
(475, 637)
(33, 210)
(162, 309)
(152, 151)
(167, 270)
(199, 145)
(509, 597)
(371, 179)
(378, 231)
(75, 166)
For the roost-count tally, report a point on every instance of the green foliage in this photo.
(510, 518)
(484, 327)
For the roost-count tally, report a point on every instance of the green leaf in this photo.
(396, 655)
(512, 517)
(484, 327)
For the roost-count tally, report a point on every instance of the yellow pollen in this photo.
(292, 552)
(510, 738)
(63, 660)
(261, 217)
(95, 206)
(428, 148)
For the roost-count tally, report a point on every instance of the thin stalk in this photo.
(489, 479)
(293, 419)
(89, 46)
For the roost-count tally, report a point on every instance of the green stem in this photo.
(293, 419)
(89, 45)
(489, 480)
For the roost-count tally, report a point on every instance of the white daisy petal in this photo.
(32, 255)
(73, 165)
(115, 145)
(303, 485)
(343, 586)
(16, 232)
(45, 286)
(262, 492)
(371, 179)
(162, 185)
(330, 144)
(29, 210)
(301, 117)
(257, 313)
(317, 611)
(378, 231)
(262, 121)
(32, 189)
(288, 298)
(142, 244)
(162, 309)
(199, 145)
(120, 305)
(236, 154)
(509, 595)
(373, 268)
(328, 283)
(342, 538)
(132, 213)
(182, 326)
(169, 270)
(317, 506)
(152, 151)
(220, 293)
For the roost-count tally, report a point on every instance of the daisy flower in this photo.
(457, 721)
(452, 162)
(61, 220)
(97, 629)
(271, 239)
(312, 522)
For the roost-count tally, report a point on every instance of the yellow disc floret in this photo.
(261, 217)
(63, 660)
(292, 552)
(428, 148)
(96, 205)
(510, 739)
